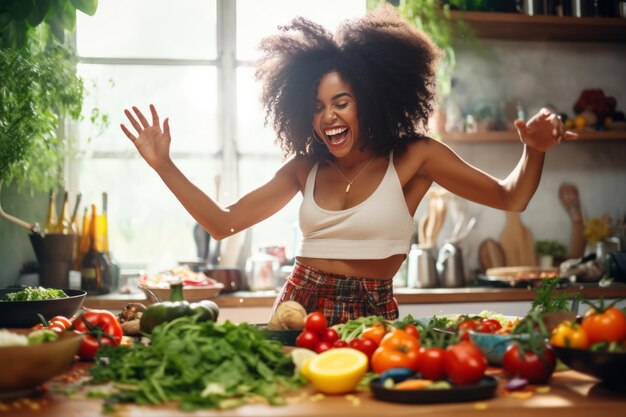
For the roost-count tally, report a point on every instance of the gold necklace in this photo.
(350, 181)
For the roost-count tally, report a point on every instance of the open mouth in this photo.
(336, 136)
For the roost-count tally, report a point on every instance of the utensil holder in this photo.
(54, 254)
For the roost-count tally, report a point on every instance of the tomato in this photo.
(431, 363)
(487, 326)
(397, 349)
(307, 339)
(315, 322)
(412, 330)
(568, 334)
(375, 332)
(330, 335)
(340, 343)
(100, 328)
(465, 363)
(323, 346)
(464, 327)
(607, 326)
(367, 346)
(530, 365)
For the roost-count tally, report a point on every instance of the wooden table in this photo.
(570, 394)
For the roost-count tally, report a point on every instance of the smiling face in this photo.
(335, 118)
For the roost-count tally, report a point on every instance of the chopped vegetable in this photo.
(8, 338)
(34, 293)
(42, 336)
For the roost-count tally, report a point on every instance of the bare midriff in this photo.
(364, 268)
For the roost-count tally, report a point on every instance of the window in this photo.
(192, 61)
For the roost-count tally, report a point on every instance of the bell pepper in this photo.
(176, 307)
(100, 328)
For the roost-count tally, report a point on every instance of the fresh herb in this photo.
(550, 248)
(34, 293)
(200, 365)
(545, 301)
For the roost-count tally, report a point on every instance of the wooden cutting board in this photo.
(491, 254)
(517, 242)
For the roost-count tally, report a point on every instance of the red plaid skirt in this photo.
(339, 297)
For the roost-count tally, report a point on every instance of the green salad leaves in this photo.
(34, 293)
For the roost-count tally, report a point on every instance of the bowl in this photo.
(26, 367)
(23, 314)
(192, 293)
(610, 367)
(493, 345)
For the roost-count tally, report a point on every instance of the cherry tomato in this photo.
(397, 349)
(530, 365)
(412, 330)
(315, 322)
(323, 347)
(307, 339)
(464, 328)
(330, 335)
(375, 332)
(367, 346)
(465, 363)
(607, 326)
(431, 363)
(487, 326)
(569, 334)
(340, 343)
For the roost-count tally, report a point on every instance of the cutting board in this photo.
(491, 254)
(517, 242)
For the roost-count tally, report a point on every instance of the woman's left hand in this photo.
(543, 131)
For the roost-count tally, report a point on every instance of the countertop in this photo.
(569, 393)
(117, 301)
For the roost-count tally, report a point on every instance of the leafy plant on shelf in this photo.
(546, 301)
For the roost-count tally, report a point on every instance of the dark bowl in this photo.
(285, 337)
(21, 314)
(610, 367)
(484, 389)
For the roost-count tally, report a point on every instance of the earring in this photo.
(317, 138)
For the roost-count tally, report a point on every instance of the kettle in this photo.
(450, 266)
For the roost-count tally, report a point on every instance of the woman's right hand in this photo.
(152, 142)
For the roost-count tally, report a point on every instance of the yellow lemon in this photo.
(336, 371)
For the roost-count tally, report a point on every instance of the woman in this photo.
(351, 111)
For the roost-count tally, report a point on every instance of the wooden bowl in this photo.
(191, 293)
(26, 367)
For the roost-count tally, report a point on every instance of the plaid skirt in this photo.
(339, 297)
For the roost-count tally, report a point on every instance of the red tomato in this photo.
(367, 346)
(316, 322)
(412, 330)
(307, 339)
(529, 366)
(397, 349)
(340, 343)
(464, 328)
(100, 328)
(375, 332)
(608, 326)
(354, 343)
(431, 363)
(465, 363)
(487, 326)
(330, 335)
(323, 347)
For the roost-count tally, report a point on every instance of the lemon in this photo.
(336, 371)
(299, 357)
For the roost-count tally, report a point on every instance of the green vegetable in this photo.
(200, 365)
(167, 311)
(34, 293)
(546, 302)
(42, 336)
(352, 329)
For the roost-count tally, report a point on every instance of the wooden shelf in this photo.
(502, 136)
(517, 26)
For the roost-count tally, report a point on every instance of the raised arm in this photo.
(442, 165)
(153, 143)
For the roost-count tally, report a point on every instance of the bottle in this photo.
(64, 222)
(103, 224)
(74, 274)
(51, 218)
(96, 265)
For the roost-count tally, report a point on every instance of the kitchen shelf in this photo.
(505, 136)
(517, 26)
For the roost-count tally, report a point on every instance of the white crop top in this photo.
(377, 228)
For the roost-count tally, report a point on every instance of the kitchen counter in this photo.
(405, 296)
(569, 393)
